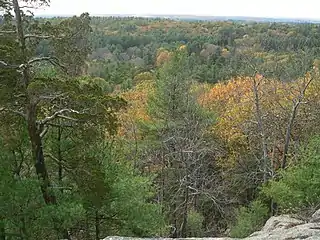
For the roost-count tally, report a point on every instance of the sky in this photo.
(255, 8)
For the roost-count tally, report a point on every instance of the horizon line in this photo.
(179, 15)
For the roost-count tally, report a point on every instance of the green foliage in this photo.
(23, 210)
(171, 98)
(130, 203)
(74, 47)
(123, 211)
(299, 185)
(195, 223)
(249, 219)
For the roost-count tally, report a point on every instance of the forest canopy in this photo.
(154, 127)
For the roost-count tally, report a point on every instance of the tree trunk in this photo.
(34, 131)
(185, 214)
(60, 170)
(23, 230)
(41, 170)
(87, 230)
(36, 143)
(288, 134)
(291, 121)
(2, 230)
(264, 146)
(97, 224)
(174, 234)
(186, 198)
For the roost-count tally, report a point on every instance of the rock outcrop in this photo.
(287, 228)
(281, 227)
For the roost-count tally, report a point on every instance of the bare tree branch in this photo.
(68, 118)
(8, 32)
(52, 97)
(21, 114)
(60, 114)
(296, 104)
(64, 125)
(259, 119)
(53, 60)
(3, 64)
(28, 36)
(44, 132)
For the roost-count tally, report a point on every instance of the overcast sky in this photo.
(260, 8)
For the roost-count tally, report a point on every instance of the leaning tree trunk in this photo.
(294, 113)
(31, 114)
(38, 156)
(34, 130)
(265, 160)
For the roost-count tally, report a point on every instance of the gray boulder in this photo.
(280, 222)
(131, 238)
(281, 227)
(285, 227)
(309, 231)
(315, 217)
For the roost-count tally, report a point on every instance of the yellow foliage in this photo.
(162, 57)
(182, 47)
(144, 76)
(136, 110)
(225, 52)
(234, 103)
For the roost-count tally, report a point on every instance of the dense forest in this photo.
(154, 127)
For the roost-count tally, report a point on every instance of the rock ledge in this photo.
(281, 227)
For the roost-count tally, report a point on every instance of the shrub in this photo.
(299, 186)
(194, 226)
(249, 219)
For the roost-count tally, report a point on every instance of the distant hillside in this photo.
(205, 18)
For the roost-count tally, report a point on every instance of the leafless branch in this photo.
(28, 36)
(296, 103)
(53, 60)
(68, 118)
(60, 125)
(2, 63)
(44, 132)
(60, 114)
(6, 65)
(7, 32)
(52, 97)
(67, 168)
(28, 7)
(21, 95)
(21, 114)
